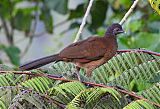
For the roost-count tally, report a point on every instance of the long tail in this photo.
(40, 62)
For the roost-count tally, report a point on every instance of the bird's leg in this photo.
(89, 74)
(77, 72)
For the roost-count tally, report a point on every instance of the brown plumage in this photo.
(88, 54)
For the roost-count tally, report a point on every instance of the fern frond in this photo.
(27, 98)
(90, 97)
(2, 104)
(139, 104)
(39, 84)
(9, 79)
(67, 91)
(143, 72)
(118, 64)
(107, 72)
(63, 68)
(6, 95)
(153, 93)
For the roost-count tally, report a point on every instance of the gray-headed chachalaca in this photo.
(88, 54)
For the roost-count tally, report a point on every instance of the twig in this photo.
(144, 51)
(86, 83)
(84, 21)
(7, 32)
(32, 32)
(60, 23)
(129, 12)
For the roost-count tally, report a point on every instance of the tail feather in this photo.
(40, 62)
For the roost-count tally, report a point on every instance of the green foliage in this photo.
(89, 98)
(152, 93)
(118, 65)
(139, 104)
(64, 93)
(73, 13)
(155, 4)
(39, 84)
(47, 19)
(98, 14)
(59, 6)
(142, 40)
(130, 71)
(20, 15)
(14, 54)
(141, 27)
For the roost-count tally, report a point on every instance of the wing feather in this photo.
(91, 48)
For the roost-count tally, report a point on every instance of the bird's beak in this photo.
(121, 31)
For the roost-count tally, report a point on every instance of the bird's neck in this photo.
(110, 35)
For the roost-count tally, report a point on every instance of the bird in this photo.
(88, 54)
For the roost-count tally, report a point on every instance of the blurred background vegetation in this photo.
(30, 29)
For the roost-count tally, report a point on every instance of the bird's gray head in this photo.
(115, 29)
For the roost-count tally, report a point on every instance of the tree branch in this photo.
(83, 21)
(7, 32)
(136, 50)
(129, 12)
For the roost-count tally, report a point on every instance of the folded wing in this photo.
(89, 49)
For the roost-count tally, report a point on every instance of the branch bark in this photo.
(129, 12)
(7, 32)
(84, 21)
(136, 50)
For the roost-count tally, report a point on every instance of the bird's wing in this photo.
(91, 49)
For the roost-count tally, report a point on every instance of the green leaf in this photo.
(77, 13)
(6, 8)
(23, 19)
(90, 98)
(98, 13)
(153, 93)
(152, 26)
(146, 40)
(39, 84)
(13, 54)
(139, 85)
(155, 78)
(67, 91)
(135, 26)
(60, 6)
(125, 3)
(142, 72)
(139, 104)
(47, 19)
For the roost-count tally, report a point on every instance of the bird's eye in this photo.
(116, 29)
